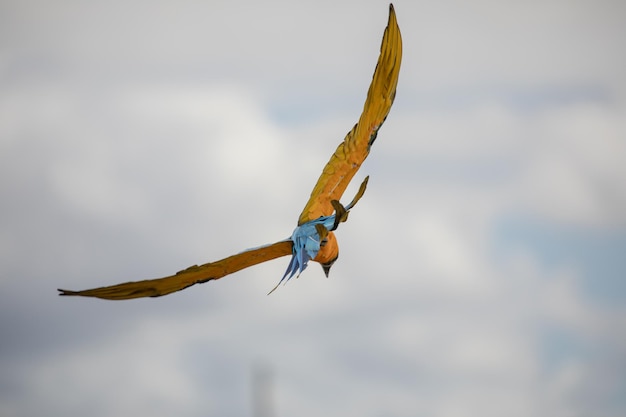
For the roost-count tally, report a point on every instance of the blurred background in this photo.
(482, 274)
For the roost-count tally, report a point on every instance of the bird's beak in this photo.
(326, 266)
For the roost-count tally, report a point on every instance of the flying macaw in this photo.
(313, 238)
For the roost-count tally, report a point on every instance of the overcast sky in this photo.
(482, 274)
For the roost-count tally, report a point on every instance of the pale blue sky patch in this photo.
(598, 255)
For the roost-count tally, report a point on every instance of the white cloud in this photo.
(577, 171)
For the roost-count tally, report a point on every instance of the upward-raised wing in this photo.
(351, 153)
(190, 276)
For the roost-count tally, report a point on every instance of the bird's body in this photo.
(313, 239)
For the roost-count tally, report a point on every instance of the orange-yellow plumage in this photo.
(329, 251)
(351, 153)
(190, 276)
(313, 239)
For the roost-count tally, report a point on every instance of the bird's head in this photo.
(328, 253)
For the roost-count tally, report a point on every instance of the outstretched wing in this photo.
(351, 153)
(188, 277)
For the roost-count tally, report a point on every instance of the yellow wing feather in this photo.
(188, 277)
(351, 153)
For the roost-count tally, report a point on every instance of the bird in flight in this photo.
(313, 239)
